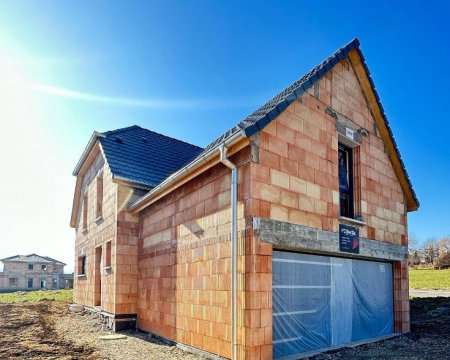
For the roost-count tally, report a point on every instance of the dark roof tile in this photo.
(146, 162)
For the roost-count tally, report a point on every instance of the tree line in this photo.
(432, 253)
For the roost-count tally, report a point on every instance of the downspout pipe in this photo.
(234, 198)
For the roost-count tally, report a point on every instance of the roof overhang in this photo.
(89, 155)
(93, 148)
(86, 152)
(362, 72)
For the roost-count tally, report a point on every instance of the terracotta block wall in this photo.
(298, 163)
(125, 261)
(401, 297)
(185, 262)
(97, 234)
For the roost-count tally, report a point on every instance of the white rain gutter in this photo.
(186, 170)
(234, 199)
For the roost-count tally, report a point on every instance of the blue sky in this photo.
(191, 70)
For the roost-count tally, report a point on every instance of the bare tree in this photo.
(413, 242)
(430, 251)
(413, 250)
(444, 253)
(444, 245)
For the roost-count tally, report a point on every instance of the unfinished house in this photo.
(32, 272)
(285, 236)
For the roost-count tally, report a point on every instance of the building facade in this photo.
(31, 272)
(286, 235)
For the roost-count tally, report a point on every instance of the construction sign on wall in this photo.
(348, 239)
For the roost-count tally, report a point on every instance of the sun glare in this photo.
(15, 102)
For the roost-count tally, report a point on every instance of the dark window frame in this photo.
(30, 283)
(30, 267)
(108, 253)
(99, 205)
(85, 213)
(82, 265)
(346, 191)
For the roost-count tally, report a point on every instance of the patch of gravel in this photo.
(84, 329)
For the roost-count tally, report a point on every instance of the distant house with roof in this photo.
(284, 236)
(33, 272)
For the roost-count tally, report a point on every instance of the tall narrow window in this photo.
(85, 212)
(108, 254)
(30, 283)
(82, 265)
(99, 208)
(346, 181)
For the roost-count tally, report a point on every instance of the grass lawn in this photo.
(429, 279)
(58, 295)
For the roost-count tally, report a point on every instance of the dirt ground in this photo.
(27, 332)
(46, 330)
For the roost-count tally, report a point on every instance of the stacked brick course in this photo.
(185, 264)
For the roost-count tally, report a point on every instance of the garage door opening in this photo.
(322, 301)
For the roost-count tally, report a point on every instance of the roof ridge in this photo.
(30, 255)
(121, 130)
(170, 137)
(134, 127)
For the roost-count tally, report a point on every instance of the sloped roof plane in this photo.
(142, 156)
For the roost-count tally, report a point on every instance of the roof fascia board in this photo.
(75, 202)
(185, 174)
(86, 152)
(357, 61)
(80, 172)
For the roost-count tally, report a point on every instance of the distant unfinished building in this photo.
(32, 272)
(286, 235)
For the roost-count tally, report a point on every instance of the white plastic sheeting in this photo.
(322, 301)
